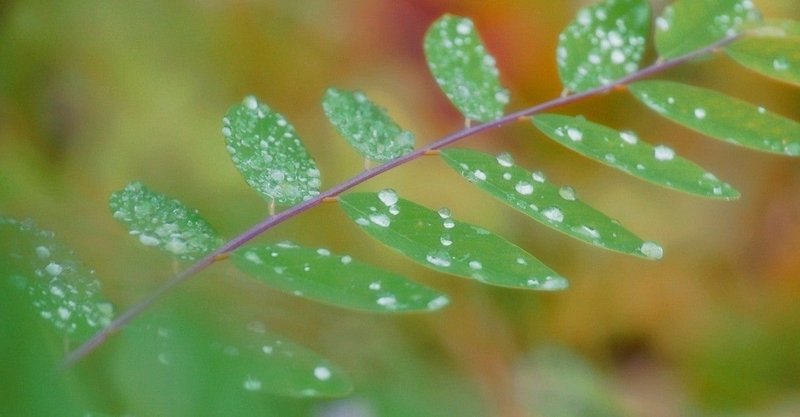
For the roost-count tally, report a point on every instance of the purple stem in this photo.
(273, 220)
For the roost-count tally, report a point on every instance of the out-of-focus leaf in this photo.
(559, 383)
(268, 153)
(688, 25)
(532, 194)
(463, 68)
(605, 42)
(366, 126)
(163, 222)
(624, 151)
(31, 385)
(437, 241)
(342, 281)
(720, 116)
(175, 364)
(774, 57)
(61, 290)
(773, 28)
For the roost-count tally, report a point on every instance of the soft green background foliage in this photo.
(94, 94)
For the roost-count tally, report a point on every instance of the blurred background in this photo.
(96, 93)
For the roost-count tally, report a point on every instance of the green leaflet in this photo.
(157, 220)
(774, 57)
(688, 25)
(185, 364)
(553, 206)
(31, 352)
(775, 28)
(338, 280)
(60, 289)
(464, 70)
(366, 126)
(436, 241)
(268, 153)
(605, 42)
(624, 151)
(720, 116)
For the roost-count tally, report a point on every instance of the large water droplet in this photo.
(652, 250)
(388, 197)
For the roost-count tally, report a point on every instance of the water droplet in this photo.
(524, 188)
(553, 214)
(439, 259)
(267, 349)
(387, 301)
(54, 269)
(575, 134)
(42, 252)
(438, 302)
(538, 176)
(323, 252)
(448, 223)
(250, 102)
(555, 283)
(780, 64)
(388, 197)
(322, 373)
(700, 113)
(444, 212)
(567, 193)
(663, 153)
(251, 384)
(346, 259)
(475, 265)
(445, 240)
(148, 240)
(381, 220)
(629, 137)
(651, 250)
(375, 286)
(505, 159)
(253, 257)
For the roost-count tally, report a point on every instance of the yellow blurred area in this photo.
(95, 94)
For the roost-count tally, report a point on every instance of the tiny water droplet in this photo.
(663, 153)
(567, 193)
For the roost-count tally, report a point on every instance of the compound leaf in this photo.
(624, 151)
(774, 57)
(688, 25)
(553, 206)
(168, 360)
(266, 150)
(464, 70)
(61, 290)
(720, 116)
(366, 126)
(437, 241)
(159, 221)
(338, 280)
(605, 42)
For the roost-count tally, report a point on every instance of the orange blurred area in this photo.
(95, 94)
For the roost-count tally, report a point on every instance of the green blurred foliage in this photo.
(95, 94)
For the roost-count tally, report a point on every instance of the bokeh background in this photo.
(96, 93)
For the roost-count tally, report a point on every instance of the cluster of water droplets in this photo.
(464, 70)
(61, 290)
(159, 221)
(268, 153)
(366, 126)
(604, 43)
